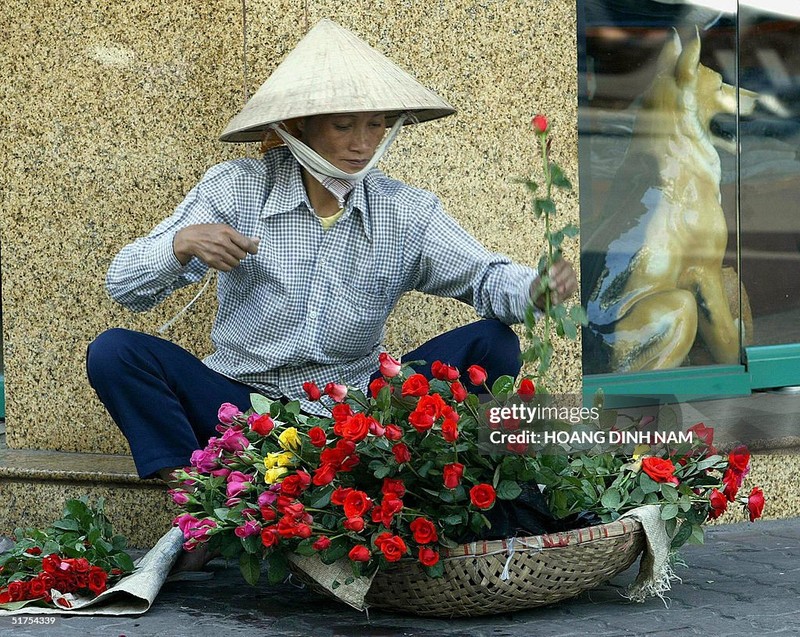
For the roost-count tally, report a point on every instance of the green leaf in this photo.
(611, 499)
(570, 329)
(306, 547)
(683, 534)
(570, 230)
(124, 561)
(503, 385)
(669, 492)
(292, 407)
(261, 404)
(277, 568)
(337, 550)
(437, 570)
(697, 536)
(67, 524)
(250, 566)
(322, 497)
(557, 177)
(647, 484)
(543, 206)
(669, 511)
(508, 490)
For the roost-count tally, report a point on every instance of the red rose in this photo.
(450, 430)
(376, 385)
(268, 513)
(459, 392)
(321, 543)
(452, 473)
(415, 385)
(443, 371)
(390, 506)
(427, 556)
(388, 366)
(292, 486)
(393, 432)
(659, 469)
(341, 412)
(270, 536)
(262, 425)
(526, 390)
(354, 428)
(731, 481)
(477, 375)
(356, 503)
(51, 563)
(359, 553)
(312, 391)
(337, 392)
(401, 453)
(421, 421)
(424, 531)
(432, 405)
(702, 433)
(719, 504)
(755, 504)
(376, 428)
(539, 124)
(317, 436)
(18, 591)
(393, 547)
(339, 494)
(355, 523)
(34, 550)
(324, 475)
(739, 459)
(38, 589)
(393, 486)
(482, 496)
(97, 580)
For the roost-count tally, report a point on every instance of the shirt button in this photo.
(313, 313)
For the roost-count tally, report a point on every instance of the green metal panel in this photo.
(684, 383)
(773, 365)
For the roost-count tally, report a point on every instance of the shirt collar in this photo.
(288, 192)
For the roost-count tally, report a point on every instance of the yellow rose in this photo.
(289, 439)
(279, 459)
(275, 474)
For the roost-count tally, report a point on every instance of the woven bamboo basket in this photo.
(540, 570)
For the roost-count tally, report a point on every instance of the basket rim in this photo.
(547, 541)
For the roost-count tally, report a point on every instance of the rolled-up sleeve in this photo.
(146, 271)
(452, 263)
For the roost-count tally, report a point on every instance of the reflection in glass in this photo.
(658, 178)
(769, 63)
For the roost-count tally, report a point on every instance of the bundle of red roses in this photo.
(77, 556)
(406, 472)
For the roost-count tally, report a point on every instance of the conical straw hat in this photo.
(333, 71)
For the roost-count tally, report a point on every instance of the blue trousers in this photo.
(165, 400)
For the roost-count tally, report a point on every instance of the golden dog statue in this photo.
(653, 269)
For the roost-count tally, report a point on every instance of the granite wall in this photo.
(111, 112)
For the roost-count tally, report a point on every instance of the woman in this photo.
(314, 247)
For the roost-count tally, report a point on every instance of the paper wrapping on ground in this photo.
(133, 594)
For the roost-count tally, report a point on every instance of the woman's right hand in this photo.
(217, 245)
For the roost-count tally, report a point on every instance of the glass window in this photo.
(658, 184)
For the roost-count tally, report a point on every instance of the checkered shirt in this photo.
(312, 304)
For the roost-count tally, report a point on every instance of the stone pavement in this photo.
(744, 581)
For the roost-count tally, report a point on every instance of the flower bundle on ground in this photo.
(78, 555)
(406, 472)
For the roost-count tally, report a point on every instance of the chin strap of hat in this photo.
(337, 181)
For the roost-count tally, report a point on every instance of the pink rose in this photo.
(233, 440)
(251, 527)
(337, 392)
(228, 413)
(388, 366)
(205, 460)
